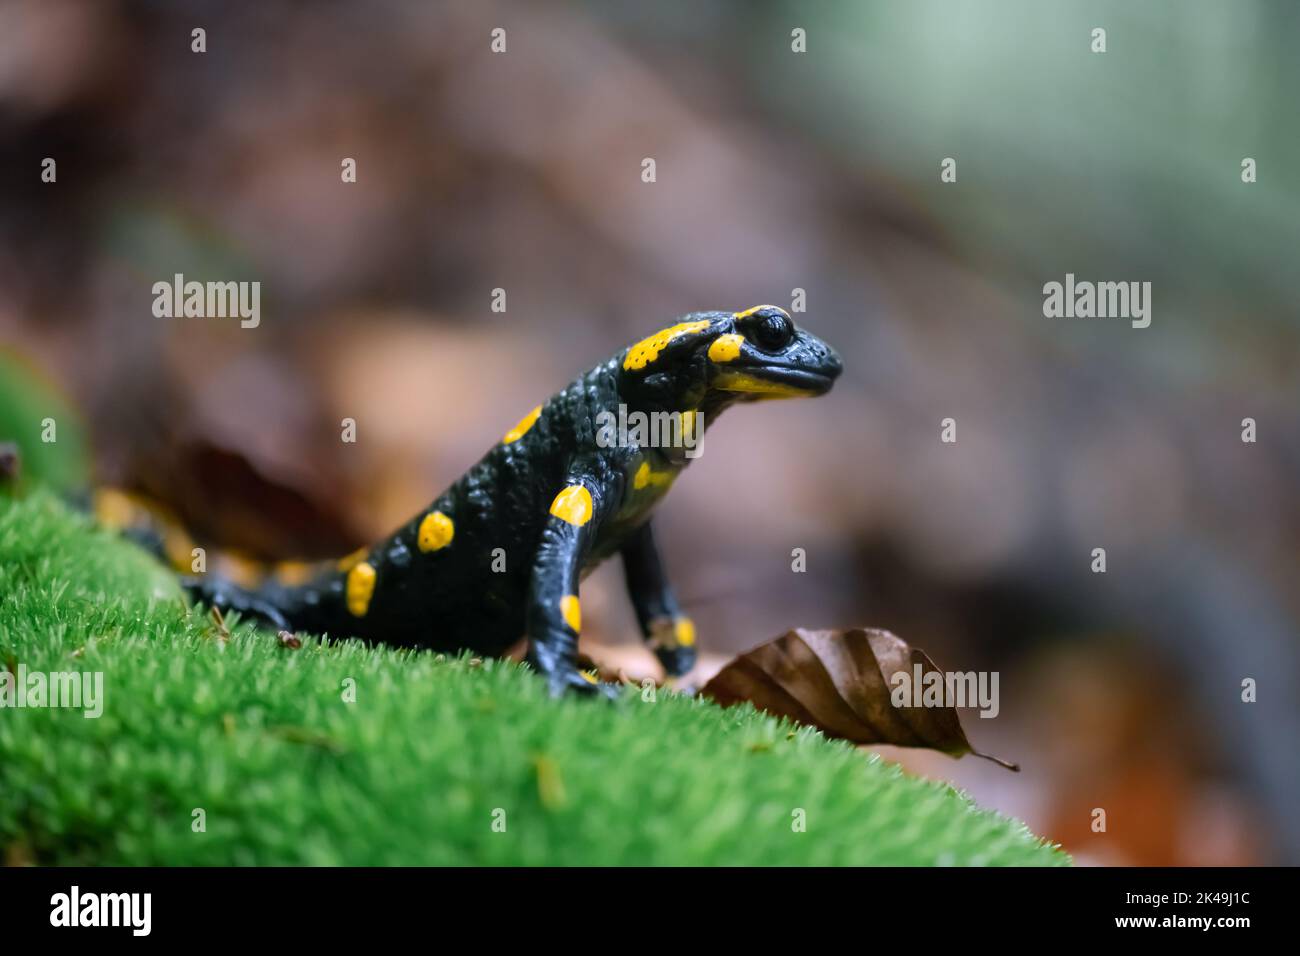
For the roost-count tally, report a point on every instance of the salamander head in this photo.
(711, 359)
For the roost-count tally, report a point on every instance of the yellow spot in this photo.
(293, 573)
(740, 382)
(646, 476)
(726, 347)
(525, 423)
(573, 505)
(179, 547)
(123, 510)
(749, 312)
(361, 585)
(352, 560)
(571, 611)
(589, 677)
(647, 350)
(436, 531)
(684, 631)
(239, 567)
(115, 509)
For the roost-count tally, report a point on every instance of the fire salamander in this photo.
(500, 553)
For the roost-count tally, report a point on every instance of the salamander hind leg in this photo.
(667, 631)
(227, 596)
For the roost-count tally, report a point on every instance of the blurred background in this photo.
(776, 171)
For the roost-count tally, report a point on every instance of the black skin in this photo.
(467, 595)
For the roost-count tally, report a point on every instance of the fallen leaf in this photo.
(841, 682)
(234, 498)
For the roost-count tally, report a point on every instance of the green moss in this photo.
(417, 769)
(27, 402)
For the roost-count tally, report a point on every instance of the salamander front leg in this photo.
(554, 612)
(668, 632)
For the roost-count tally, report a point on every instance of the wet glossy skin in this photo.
(501, 552)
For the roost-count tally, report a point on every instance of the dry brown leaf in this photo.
(840, 681)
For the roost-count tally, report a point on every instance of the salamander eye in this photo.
(773, 332)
